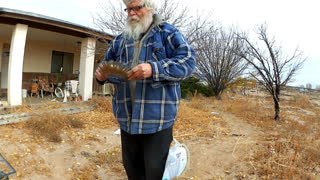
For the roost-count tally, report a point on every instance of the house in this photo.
(33, 46)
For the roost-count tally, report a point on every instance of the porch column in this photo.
(1, 52)
(88, 46)
(18, 42)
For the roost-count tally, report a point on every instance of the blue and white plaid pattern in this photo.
(157, 98)
(68, 85)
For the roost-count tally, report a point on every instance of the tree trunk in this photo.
(276, 100)
(277, 110)
(218, 96)
(276, 107)
(217, 93)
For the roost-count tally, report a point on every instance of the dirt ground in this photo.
(37, 159)
(221, 157)
(93, 151)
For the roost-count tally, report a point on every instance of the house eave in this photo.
(12, 17)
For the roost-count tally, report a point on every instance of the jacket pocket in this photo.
(158, 51)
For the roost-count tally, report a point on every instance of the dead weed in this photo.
(195, 119)
(50, 125)
(110, 160)
(102, 103)
(301, 101)
(289, 150)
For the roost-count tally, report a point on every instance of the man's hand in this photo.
(141, 71)
(100, 75)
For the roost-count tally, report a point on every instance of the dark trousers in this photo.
(144, 155)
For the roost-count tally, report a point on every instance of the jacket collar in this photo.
(157, 20)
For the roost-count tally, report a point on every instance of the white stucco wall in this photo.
(39, 47)
(38, 56)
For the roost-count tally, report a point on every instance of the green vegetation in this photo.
(193, 86)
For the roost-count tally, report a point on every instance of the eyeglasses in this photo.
(135, 8)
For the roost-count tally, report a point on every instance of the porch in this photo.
(43, 48)
(33, 98)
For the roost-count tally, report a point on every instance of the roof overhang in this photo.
(12, 17)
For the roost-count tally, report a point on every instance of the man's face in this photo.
(136, 15)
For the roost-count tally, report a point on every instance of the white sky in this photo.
(294, 23)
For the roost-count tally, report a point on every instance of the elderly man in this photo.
(146, 104)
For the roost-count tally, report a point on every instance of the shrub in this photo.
(193, 86)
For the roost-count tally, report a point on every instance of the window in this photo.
(6, 54)
(62, 62)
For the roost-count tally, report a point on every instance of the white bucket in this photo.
(24, 93)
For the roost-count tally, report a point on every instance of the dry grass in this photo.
(301, 101)
(286, 157)
(76, 123)
(17, 109)
(46, 105)
(102, 116)
(4, 168)
(289, 149)
(196, 120)
(102, 103)
(110, 161)
(84, 173)
(258, 112)
(50, 125)
(111, 158)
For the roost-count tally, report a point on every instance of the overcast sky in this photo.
(294, 23)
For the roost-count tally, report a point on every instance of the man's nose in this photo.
(131, 13)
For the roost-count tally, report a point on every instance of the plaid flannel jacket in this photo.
(157, 98)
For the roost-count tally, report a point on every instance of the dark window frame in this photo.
(59, 62)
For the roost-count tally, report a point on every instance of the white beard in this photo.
(136, 26)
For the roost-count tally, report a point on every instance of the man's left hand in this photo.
(141, 71)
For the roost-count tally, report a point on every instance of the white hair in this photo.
(135, 29)
(148, 3)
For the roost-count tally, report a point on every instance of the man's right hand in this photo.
(100, 75)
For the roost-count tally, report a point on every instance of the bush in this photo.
(193, 86)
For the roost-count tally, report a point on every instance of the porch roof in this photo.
(12, 16)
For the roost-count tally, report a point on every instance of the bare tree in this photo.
(112, 18)
(174, 12)
(218, 62)
(270, 66)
